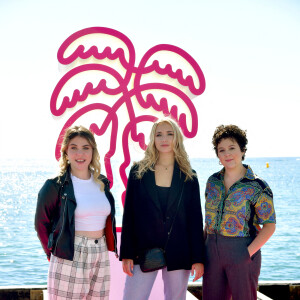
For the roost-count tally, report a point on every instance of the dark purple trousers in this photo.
(229, 270)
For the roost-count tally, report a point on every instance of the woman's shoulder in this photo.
(194, 176)
(261, 182)
(138, 171)
(103, 178)
(136, 166)
(255, 178)
(192, 181)
(214, 176)
(50, 185)
(56, 180)
(133, 170)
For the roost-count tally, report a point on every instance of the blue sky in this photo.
(248, 51)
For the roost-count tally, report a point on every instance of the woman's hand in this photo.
(264, 234)
(127, 266)
(198, 270)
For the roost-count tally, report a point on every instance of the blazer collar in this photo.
(175, 189)
(176, 186)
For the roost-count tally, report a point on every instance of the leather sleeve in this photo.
(46, 206)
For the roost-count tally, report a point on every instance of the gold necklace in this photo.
(166, 167)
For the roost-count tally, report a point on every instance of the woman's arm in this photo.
(127, 247)
(195, 221)
(264, 234)
(47, 199)
(267, 217)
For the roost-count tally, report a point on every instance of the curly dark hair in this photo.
(232, 132)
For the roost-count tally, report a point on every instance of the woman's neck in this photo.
(166, 159)
(235, 173)
(84, 175)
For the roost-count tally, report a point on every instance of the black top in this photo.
(163, 194)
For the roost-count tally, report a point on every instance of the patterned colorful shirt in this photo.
(249, 202)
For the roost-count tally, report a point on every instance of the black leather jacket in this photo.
(54, 217)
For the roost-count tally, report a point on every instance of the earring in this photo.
(220, 163)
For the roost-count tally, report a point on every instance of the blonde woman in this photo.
(162, 196)
(75, 221)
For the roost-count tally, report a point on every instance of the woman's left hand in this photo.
(198, 270)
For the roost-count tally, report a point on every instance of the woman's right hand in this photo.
(127, 266)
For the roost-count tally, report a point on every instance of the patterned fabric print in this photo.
(249, 202)
(211, 205)
(232, 226)
(264, 208)
(86, 277)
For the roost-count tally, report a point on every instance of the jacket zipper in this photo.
(112, 224)
(116, 249)
(61, 229)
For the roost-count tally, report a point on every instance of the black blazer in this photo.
(144, 227)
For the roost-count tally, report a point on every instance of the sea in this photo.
(23, 262)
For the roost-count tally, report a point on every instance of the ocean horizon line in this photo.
(113, 159)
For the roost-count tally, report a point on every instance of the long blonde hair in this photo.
(152, 154)
(94, 166)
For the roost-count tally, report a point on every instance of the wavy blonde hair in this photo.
(94, 166)
(152, 154)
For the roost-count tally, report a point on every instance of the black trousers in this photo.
(229, 270)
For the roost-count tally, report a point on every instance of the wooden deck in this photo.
(268, 290)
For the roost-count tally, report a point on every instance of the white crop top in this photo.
(92, 205)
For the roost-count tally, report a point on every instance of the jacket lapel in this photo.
(175, 189)
(149, 182)
(176, 186)
(70, 196)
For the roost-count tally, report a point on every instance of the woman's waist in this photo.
(90, 234)
(218, 236)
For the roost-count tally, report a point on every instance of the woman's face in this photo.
(79, 153)
(164, 137)
(229, 153)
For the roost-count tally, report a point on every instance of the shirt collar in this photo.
(249, 173)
